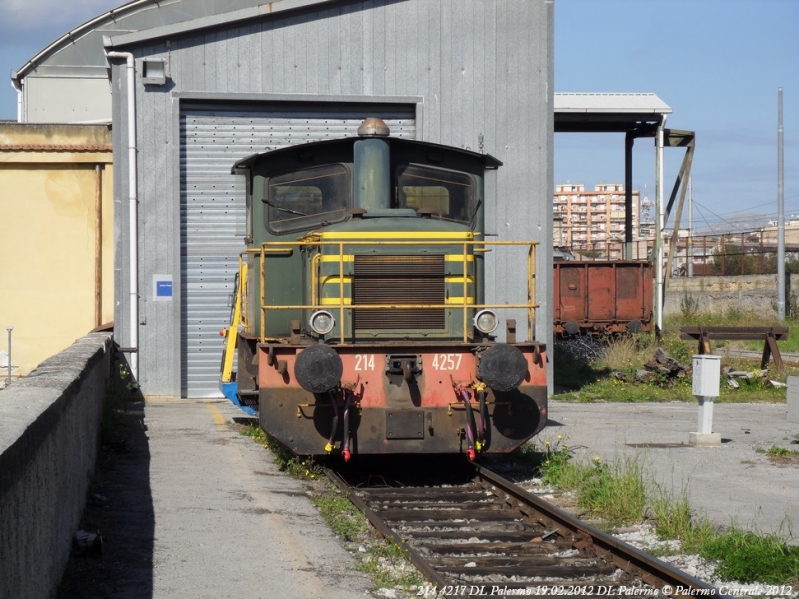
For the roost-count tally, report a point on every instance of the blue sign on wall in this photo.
(162, 288)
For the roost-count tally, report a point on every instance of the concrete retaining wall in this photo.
(749, 293)
(49, 435)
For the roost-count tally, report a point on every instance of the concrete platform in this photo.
(730, 482)
(189, 507)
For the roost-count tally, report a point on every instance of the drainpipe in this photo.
(98, 245)
(133, 216)
(17, 88)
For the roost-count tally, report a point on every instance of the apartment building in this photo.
(593, 221)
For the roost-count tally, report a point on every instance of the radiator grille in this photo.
(397, 280)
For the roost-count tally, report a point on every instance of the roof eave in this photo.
(209, 22)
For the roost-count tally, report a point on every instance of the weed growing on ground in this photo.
(623, 391)
(781, 452)
(781, 456)
(689, 306)
(388, 566)
(383, 560)
(590, 368)
(748, 557)
(257, 434)
(573, 364)
(555, 460)
(285, 460)
(674, 520)
(341, 515)
(617, 495)
(627, 353)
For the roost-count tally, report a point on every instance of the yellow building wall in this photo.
(56, 273)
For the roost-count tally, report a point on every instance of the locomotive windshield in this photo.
(309, 197)
(449, 194)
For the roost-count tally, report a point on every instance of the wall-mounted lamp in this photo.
(154, 71)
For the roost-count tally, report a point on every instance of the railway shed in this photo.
(196, 86)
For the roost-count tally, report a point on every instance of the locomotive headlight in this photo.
(486, 321)
(322, 322)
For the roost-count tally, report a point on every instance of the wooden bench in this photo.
(770, 336)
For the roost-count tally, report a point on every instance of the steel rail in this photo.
(635, 562)
(666, 580)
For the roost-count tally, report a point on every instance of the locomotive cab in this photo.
(363, 326)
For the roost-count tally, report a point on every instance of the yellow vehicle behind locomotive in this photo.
(360, 324)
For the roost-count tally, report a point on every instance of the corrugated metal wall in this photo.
(479, 73)
(212, 208)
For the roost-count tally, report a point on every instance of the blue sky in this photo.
(717, 63)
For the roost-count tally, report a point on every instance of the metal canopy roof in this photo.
(609, 113)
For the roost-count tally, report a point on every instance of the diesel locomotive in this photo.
(360, 324)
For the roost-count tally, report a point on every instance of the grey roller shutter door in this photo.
(212, 207)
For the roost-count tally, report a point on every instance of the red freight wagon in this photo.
(602, 297)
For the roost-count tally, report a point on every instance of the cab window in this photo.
(307, 198)
(450, 194)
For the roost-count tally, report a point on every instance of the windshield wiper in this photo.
(474, 214)
(265, 201)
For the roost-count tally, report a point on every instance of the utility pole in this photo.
(780, 213)
(690, 245)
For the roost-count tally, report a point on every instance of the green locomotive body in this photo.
(361, 322)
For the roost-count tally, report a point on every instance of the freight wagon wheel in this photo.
(572, 328)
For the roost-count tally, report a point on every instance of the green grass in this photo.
(285, 460)
(736, 318)
(674, 519)
(388, 567)
(384, 561)
(341, 515)
(620, 495)
(781, 452)
(613, 493)
(610, 375)
(748, 557)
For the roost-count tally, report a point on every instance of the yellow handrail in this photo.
(272, 248)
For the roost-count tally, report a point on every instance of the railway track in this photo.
(484, 536)
(751, 354)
